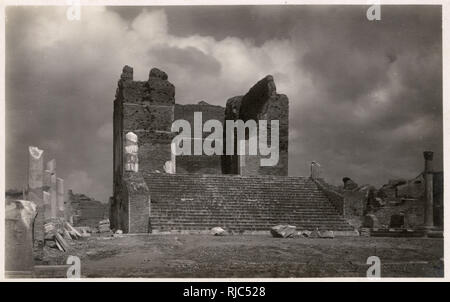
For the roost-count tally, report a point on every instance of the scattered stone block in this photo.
(218, 231)
(283, 231)
(326, 234)
(305, 233)
(364, 232)
(104, 226)
(50, 243)
(314, 234)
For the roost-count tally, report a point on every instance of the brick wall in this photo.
(85, 211)
(137, 210)
(145, 108)
(261, 102)
(412, 208)
(200, 164)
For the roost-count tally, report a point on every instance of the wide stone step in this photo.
(200, 202)
(242, 215)
(248, 227)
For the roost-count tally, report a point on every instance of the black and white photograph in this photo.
(210, 141)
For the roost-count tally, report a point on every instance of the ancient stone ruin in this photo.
(84, 211)
(401, 207)
(155, 191)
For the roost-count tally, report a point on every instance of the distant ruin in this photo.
(82, 210)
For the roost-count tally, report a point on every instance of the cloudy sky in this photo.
(365, 96)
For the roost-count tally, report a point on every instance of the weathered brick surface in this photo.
(413, 210)
(153, 155)
(261, 102)
(146, 109)
(132, 91)
(208, 111)
(85, 211)
(138, 205)
(143, 117)
(201, 164)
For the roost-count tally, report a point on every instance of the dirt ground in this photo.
(242, 256)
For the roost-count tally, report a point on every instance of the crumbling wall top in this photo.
(256, 97)
(157, 90)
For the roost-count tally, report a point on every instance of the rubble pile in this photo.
(104, 226)
(58, 233)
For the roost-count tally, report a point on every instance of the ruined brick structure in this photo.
(201, 164)
(84, 211)
(156, 191)
(262, 102)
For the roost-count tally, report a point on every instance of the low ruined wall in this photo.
(85, 211)
(413, 209)
(354, 203)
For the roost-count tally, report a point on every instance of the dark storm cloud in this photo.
(365, 97)
(348, 128)
(220, 22)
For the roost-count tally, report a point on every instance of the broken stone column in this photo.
(428, 176)
(54, 198)
(60, 196)
(34, 190)
(47, 204)
(51, 168)
(131, 152)
(315, 170)
(35, 168)
(19, 216)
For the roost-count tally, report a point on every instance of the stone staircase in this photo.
(193, 202)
